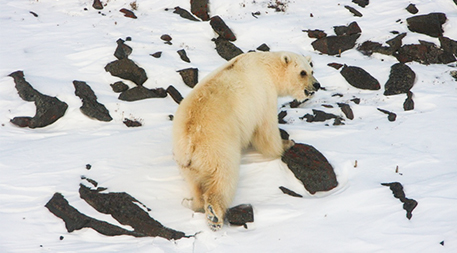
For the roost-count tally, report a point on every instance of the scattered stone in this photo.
(346, 109)
(412, 9)
(174, 93)
(263, 48)
(449, 46)
(295, 103)
(409, 103)
(88, 166)
(327, 106)
(408, 204)
(221, 28)
(128, 13)
(284, 134)
(278, 6)
(352, 28)
(429, 24)
(391, 116)
(97, 5)
(125, 209)
(321, 116)
(353, 11)
(289, 192)
(240, 215)
(157, 54)
(356, 100)
(141, 92)
(127, 69)
(122, 50)
(281, 117)
(189, 76)
(359, 78)
(337, 95)
(167, 38)
(132, 123)
(424, 53)
(119, 87)
(316, 34)
(183, 55)
(200, 9)
(91, 108)
(184, 13)
(48, 109)
(361, 3)
(34, 14)
(333, 45)
(310, 167)
(369, 47)
(454, 74)
(226, 49)
(335, 65)
(401, 79)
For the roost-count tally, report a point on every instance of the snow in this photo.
(66, 43)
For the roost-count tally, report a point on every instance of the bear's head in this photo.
(298, 80)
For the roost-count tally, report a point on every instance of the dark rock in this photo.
(183, 55)
(157, 54)
(141, 92)
(369, 47)
(184, 14)
(132, 123)
(337, 95)
(124, 208)
(316, 34)
(359, 78)
(346, 109)
(409, 103)
(356, 100)
(263, 48)
(430, 24)
(310, 167)
(119, 87)
(333, 45)
(425, 53)
(281, 116)
(454, 74)
(221, 28)
(127, 69)
(352, 28)
(335, 65)
(361, 3)
(449, 46)
(34, 14)
(200, 9)
(289, 192)
(240, 215)
(353, 11)
(97, 5)
(174, 93)
(279, 6)
(412, 9)
(327, 106)
(122, 50)
(321, 116)
(226, 49)
(91, 108)
(88, 166)
(284, 134)
(401, 79)
(166, 38)
(408, 204)
(128, 13)
(390, 115)
(189, 76)
(48, 109)
(295, 103)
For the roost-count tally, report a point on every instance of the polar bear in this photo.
(233, 107)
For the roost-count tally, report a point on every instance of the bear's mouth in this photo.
(309, 93)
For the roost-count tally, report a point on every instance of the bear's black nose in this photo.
(317, 86)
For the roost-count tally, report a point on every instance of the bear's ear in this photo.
(286, 59)
(308, 58)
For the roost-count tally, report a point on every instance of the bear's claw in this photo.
(213, 221)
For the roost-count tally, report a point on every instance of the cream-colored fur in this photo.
(234, 106)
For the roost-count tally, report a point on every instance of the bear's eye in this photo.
(303, 73)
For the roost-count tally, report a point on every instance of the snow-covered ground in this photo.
(65, 43)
